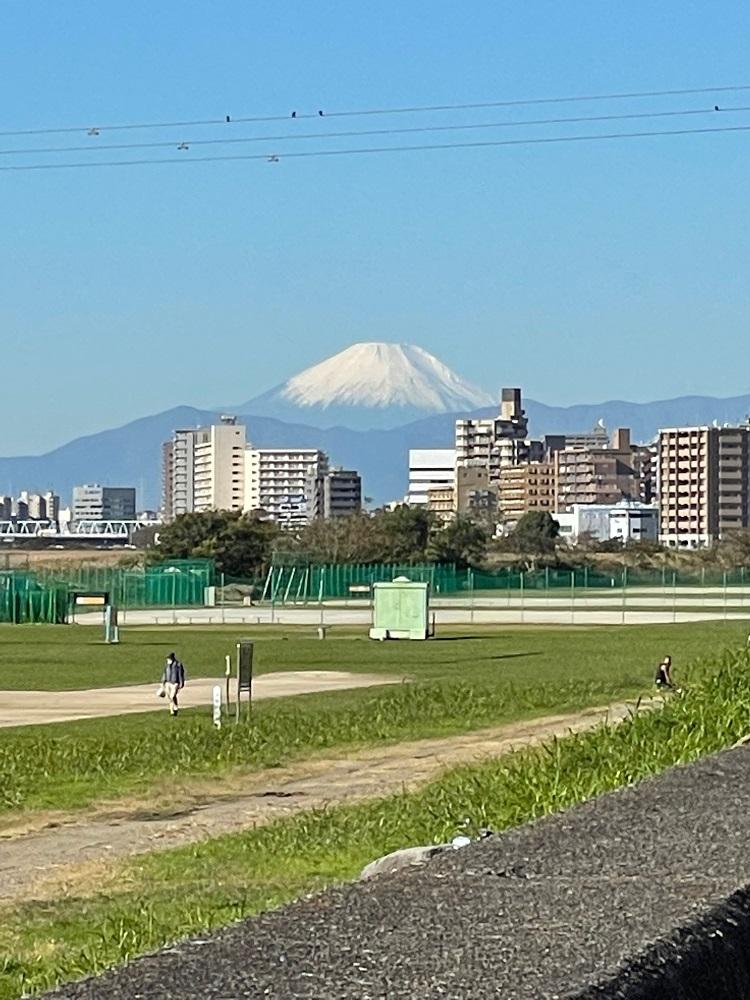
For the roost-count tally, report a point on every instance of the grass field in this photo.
(463, 682)
(54, 657)
(145, 902)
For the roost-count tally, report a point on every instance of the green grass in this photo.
(157, 898)
(459, 685)
(55, 657)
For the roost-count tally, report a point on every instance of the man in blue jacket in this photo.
(173, 681)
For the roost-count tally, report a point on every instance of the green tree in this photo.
(240, 544)
(535, 533)
(461, 541)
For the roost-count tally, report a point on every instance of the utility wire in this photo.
(187, 143)
(275, 158)
(417, 109)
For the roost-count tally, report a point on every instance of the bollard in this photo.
(322, 631)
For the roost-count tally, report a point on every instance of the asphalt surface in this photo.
(611, 899)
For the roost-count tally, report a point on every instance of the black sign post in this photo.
(244, 672)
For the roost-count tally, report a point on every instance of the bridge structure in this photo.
(84, 530)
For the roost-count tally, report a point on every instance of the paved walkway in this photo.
(22, 708)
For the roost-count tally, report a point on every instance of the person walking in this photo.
(172, 682)
(663, 677)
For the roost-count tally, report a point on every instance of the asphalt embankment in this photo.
(637, 895)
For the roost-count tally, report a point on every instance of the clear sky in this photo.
(578, 271)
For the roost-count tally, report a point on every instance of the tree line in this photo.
(244, 545)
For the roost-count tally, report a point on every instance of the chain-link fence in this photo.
(305, 584)
(45, 595)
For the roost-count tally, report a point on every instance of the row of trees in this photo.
(242, 545)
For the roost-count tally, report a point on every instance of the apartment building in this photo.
(704, 483)
(284, 483)
(495, 443)
(92, 502)
(429, 468)
(219, 466)
(604, 475)
(524, 488)
(441, 501)
(341, 492)
(203, 469)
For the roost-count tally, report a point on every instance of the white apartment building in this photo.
(429, 469)
(219, 467)
(285, 483)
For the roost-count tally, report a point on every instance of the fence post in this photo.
(572, 597)
(624, 591)
(521, 589)
(674, 596)
(471, 586)
(725, 595)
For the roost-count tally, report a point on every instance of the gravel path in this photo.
(539, 913)
(52, 861)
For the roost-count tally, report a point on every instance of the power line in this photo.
(187, 143)
(274, 157)
(416, 109)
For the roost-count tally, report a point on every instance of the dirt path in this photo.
(64, 858)
(25, 708)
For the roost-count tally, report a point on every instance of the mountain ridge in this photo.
(130, 454)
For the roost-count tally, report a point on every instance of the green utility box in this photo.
(400, 610)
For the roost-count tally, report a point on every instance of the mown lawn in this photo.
(56, 657)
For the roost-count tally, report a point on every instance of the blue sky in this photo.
(580, 272)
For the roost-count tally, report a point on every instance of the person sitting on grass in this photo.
(173, 681)
(663, 677)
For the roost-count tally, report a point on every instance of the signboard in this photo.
(217, 705)
(98, 600)
(244, 665)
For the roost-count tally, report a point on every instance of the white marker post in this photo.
(217, 705)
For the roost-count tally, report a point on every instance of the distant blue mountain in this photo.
(131, 455)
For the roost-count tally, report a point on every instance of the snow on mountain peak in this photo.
(380, 375)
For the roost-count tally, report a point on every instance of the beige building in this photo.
(219, 467)
(704, 483)
(441, 501)
(203, 469)
(495, 443)
(526, 488)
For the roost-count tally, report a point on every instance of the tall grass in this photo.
(40, 767)
(161, 897)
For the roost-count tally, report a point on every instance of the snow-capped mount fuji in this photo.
(370, 385)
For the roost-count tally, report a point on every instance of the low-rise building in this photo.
(626, 521)
(92, 502)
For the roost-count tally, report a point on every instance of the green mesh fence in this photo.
(45, 595)
(23, 599)
(289, 584)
